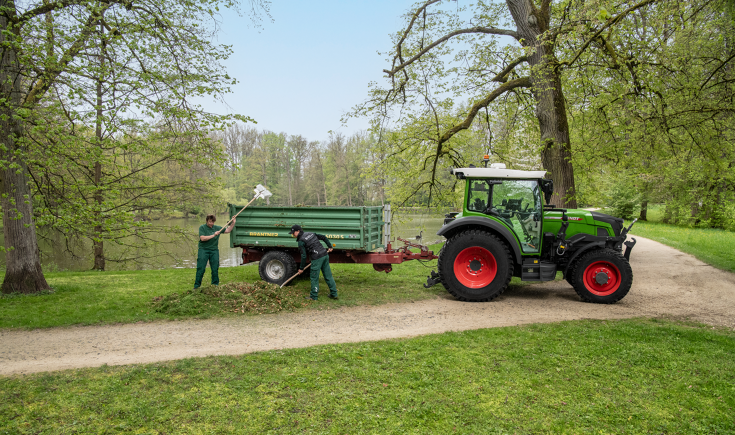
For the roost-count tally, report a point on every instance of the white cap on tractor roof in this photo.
(497, 170)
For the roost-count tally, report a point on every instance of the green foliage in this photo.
(297, 171)
(626, 376)
(625, 200)
(110, 128)
(195, 210)
(659, 109)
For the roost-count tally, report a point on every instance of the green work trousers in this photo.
(204, 256)
(322, 264)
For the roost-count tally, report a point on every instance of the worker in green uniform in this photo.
(309, 242)
(209, 249)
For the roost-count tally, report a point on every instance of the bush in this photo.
(625, 200)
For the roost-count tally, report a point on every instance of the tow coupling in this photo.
(432, 280)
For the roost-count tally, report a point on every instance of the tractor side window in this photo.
(518, 205)
(479, 196)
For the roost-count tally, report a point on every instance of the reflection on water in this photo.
(167, 251)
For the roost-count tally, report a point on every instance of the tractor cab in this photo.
(511, 197)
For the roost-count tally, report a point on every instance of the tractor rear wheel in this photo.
(276, 267)
(475, 266)
(602, 276)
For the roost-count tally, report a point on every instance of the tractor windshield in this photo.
(516, 203)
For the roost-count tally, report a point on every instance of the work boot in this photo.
(310, 298)
(333, 297)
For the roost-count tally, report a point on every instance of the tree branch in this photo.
(501, 77)
(58, 5)
(715, 71)
(445, 38)
(612, 21)
(523, 82)
(44, 82)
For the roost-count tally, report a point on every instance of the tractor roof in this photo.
(497, 172)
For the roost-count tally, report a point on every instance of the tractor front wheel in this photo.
(602, 276)
(475, 266)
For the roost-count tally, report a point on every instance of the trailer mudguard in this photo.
(496, 227)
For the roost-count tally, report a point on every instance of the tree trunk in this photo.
(644, 211)
(23, 273)
(556, 151)
(99, 247)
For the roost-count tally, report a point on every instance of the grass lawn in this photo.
(712, 246)
(84, 298)
(602, 377)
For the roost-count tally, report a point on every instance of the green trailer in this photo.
(357, 234)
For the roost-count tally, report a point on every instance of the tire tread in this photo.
(283, 257)
(620, 262)
(477, 233)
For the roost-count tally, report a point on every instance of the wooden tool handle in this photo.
(238, 213)
(289, 280)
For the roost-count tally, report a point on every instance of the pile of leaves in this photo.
(233, 298)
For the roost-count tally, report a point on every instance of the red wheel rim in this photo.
(475, 267)
(602, 278)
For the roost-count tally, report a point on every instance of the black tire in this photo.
(466, 244)
(276, 267)
(602, 276)
(569, 277)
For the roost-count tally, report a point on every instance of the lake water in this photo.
(170, 252)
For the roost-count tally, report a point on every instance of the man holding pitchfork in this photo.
(209, 249)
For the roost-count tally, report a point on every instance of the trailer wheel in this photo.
(276, 267)
(475, 266)
(602, 276)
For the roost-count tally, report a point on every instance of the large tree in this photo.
(44, 46)
(480, 53)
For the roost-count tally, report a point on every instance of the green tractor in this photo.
(504, 230)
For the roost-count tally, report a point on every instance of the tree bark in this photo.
(99, 247)
(556, 151)
(23, 273)
(644, 211)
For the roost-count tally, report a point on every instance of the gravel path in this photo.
(667, 283)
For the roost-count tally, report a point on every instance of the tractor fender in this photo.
(496, 227)
(581, 251)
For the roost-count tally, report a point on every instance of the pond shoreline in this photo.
(175, 252)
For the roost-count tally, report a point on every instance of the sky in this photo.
(301, 72)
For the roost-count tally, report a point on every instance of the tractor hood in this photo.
(615, 223)
(592, 218)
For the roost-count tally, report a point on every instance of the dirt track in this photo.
(667, 283)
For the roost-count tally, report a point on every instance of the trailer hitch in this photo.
(432, 280)
(407, 244)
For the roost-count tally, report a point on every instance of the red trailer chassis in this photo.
(381, 261)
